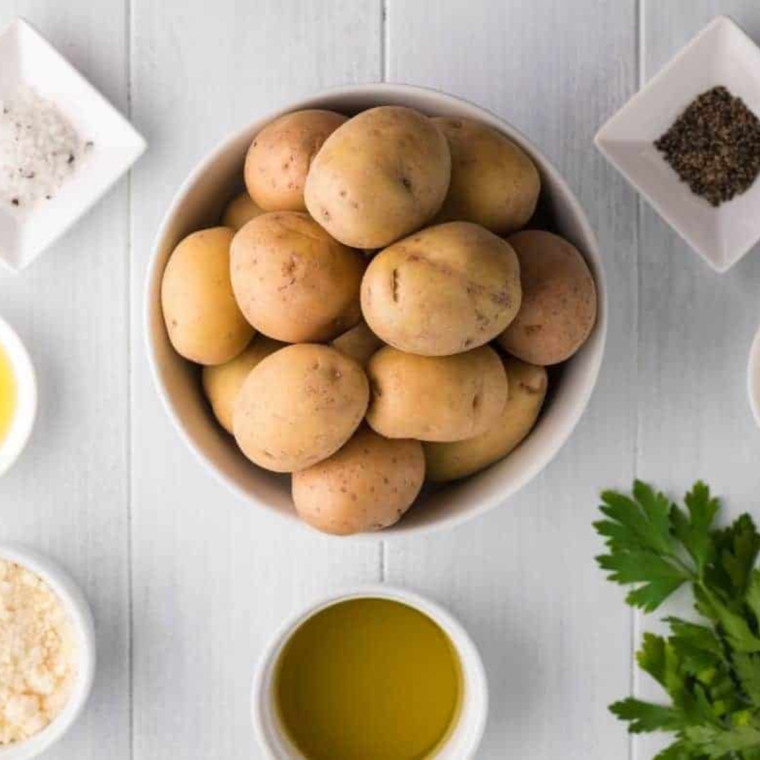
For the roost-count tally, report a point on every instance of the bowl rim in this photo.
(467, 651)
(151, 305)
(76, 605)
(753, 377)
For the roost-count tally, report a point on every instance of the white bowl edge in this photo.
(25, 413)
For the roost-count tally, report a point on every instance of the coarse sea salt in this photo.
(39, 149)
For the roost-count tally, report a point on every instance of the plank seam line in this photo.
(128, 9)
(635, 618)
(384, 41)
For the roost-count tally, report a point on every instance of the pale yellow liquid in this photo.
(369, 679)
(7, 395)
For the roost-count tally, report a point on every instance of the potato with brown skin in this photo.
(494, 183)
(366, 486)
(559, 305)
(202, 317)
(279, 158)
(299, 406)
(441, 291)
(360, 343)
(435, 398)
(293, 281)
(527, 391)
(240, 210)
(223, 382)
(380, 176)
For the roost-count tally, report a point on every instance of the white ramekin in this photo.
(76, 606)
(466, 736)
(26, 402)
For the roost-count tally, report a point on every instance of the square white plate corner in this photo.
(721, 54)
(26, 57)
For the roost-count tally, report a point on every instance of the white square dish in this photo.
(721, 54)
(28, 58)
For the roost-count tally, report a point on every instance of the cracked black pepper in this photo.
(714, 146)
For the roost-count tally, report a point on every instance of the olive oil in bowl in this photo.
(368, 678)
(8, 395)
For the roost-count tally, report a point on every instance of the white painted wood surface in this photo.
(187, 583)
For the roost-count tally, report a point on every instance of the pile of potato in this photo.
(369, 315)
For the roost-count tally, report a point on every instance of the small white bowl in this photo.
(26, 397)
(466, 736)
(721, 54)
(76, 606)
(199, 202)
(26, 57)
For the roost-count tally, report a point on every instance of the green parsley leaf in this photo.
(736, 549)
(644, 717)
(693, 531)
(747, 668)
(715, 742)
(736, 628)
(659, 577)
(678, 751)
(642, 546)
(698, 648)
(752, 597)
(652, 657)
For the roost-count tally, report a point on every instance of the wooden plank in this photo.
(68, 495)
(555, 636)
(696, 330)
(213, 579)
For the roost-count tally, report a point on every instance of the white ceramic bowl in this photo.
(26, 397)
(721, 54)
(78, 610)
(468, 732)
(26, 57)
(199, 202)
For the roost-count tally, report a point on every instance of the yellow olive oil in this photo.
(368, 679)
(7, 394)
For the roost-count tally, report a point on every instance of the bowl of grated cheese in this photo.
(47, 652)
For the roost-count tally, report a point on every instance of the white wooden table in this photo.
(186, 582)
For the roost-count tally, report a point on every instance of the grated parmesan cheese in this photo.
(39, 149)
(38, 654)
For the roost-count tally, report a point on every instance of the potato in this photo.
(360, 343)
(280, 155)
(379, 177)
(299, 406)
(239, 210)
(223, 382)
(435, 398)
(202, 317)
(294, 282)
(365, 486)
(494, 183)
(559, 300)
(527, 391)
(443, 290)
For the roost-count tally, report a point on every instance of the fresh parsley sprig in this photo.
(709, 670)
